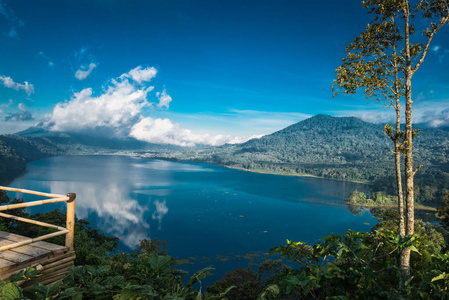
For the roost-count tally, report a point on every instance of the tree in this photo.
(384, 69)
(375, 67)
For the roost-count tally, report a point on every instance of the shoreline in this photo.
(417, 207)
(292, 174)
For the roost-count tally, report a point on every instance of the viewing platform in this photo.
(19, 252)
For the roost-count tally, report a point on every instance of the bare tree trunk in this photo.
(409, 202)
(397, 142)
(397, 161)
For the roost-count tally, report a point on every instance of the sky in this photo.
(190, 72)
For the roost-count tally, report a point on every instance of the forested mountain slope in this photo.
(16, 151)
(83, 143)
(344, 148)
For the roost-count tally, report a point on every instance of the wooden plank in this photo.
(32, 251)
(15, 256)
(56, 249)
(58, 269)
(4, 242)
(5, 264)
(59, 257)
(59, 262)
(42, 261)
(12, 237)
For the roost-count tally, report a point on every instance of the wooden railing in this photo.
(68, 231)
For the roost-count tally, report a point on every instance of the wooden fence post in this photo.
(70, 225)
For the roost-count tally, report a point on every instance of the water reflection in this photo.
(161, 211)
(213, 210)
(111, 207)
(112, 193)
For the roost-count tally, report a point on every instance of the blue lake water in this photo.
(208, 215)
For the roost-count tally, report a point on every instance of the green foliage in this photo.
(443, 212)
(377, 199)
(11, 291)
(350, 266)
(248, 284)
(152, 276)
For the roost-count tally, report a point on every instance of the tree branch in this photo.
(429, 39)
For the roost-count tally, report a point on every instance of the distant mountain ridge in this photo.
(36, 143)
(16, 151)
(344, 148)
(81, 143)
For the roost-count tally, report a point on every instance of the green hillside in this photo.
(16, 151)
(343, 148)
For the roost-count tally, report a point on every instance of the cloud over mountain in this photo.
(117, 108)
(163, 131)
(120, 111)
(22, 115)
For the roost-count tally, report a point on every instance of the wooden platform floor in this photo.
(43, 255)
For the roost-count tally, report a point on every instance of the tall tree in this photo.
(436, 15)
(383, 68)
(375, 68)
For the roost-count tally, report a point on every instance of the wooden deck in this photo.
(52, 260)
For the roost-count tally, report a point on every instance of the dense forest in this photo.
(343, 148)
(16, 151)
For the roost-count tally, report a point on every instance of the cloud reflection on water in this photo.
(117, 213)
(161, 211)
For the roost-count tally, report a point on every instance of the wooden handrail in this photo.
(33, 203)
(10, 189)
(70, 220)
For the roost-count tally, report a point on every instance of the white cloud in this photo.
(140, 75)
(117, 108)
(164, 99)
(82, 73)
(163, 131)
(431, 113)
(119, 111)
(436, 48)
(9, 83)
(22, 115)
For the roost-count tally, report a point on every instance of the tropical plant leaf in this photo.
(161, 264)
(440, 277)
(27, 274)
(45, 292)
(11, 291)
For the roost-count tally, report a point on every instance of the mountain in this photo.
(16, 151)
(83, 143)
(344, 148)
(36, 143)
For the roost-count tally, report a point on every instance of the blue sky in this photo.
(186, 72)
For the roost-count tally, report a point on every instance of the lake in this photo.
(209, 215)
